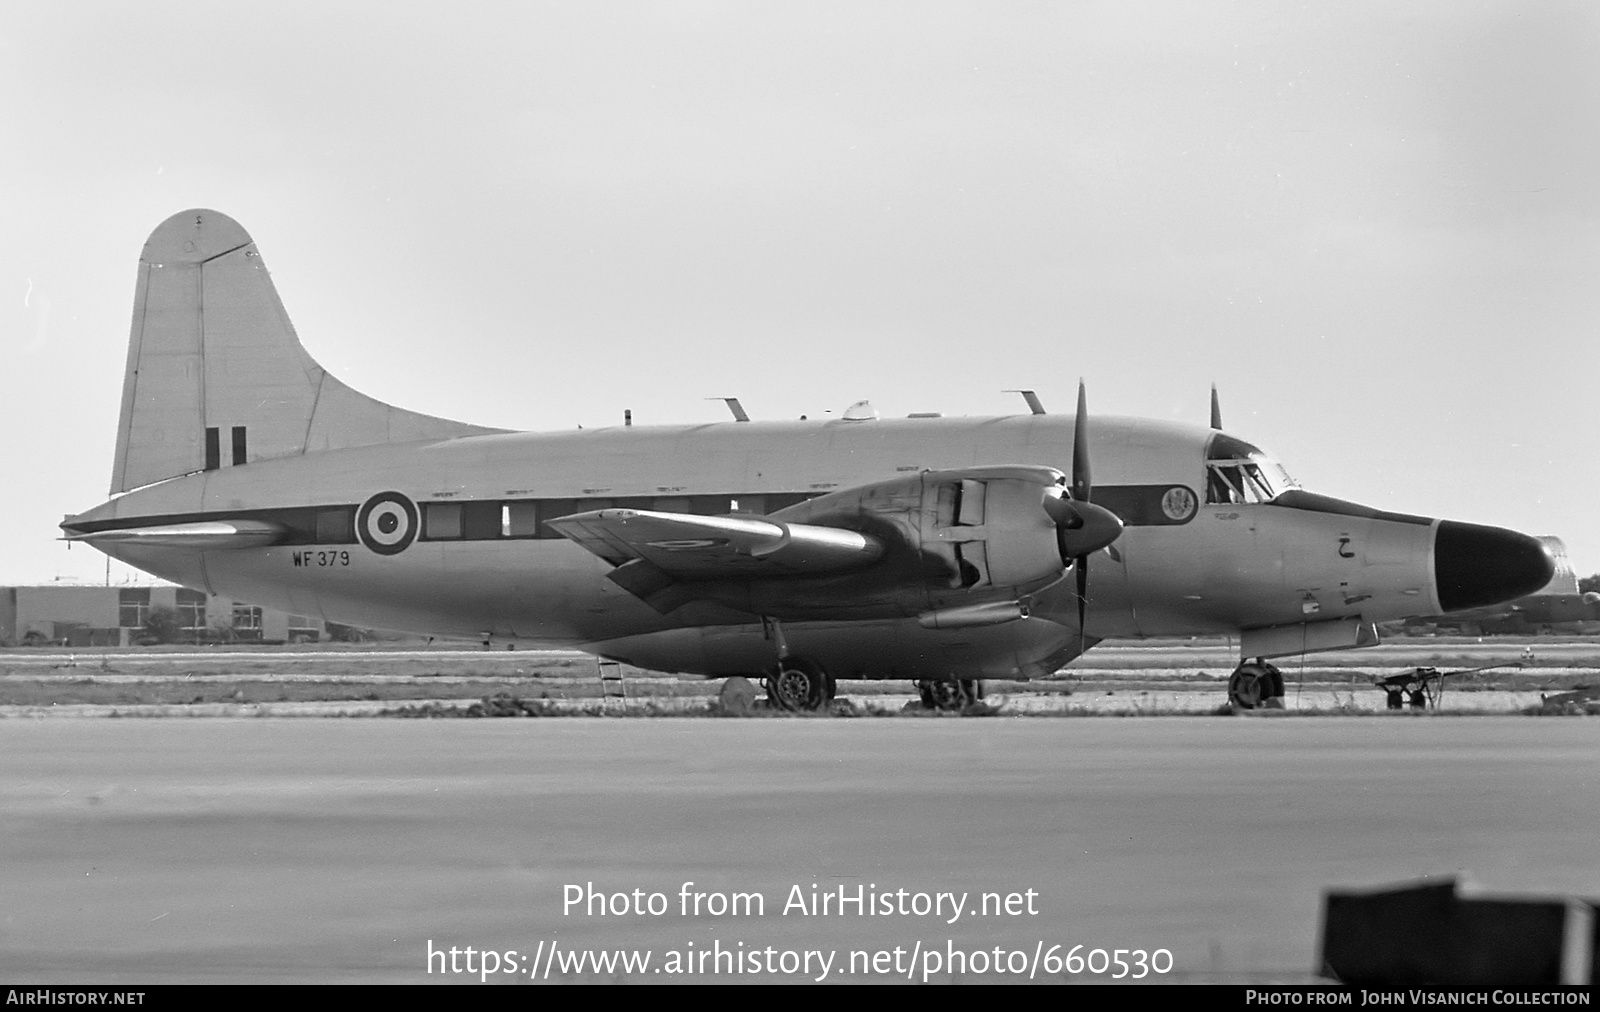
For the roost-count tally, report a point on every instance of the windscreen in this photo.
(1237, 472)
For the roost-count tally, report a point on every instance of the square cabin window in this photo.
(335, 527)
(480, 521)
(521, 519)
(441, 521)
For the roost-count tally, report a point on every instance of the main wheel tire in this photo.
(797, 685)
(947, 695)
(1275, 693)
(1252, 683)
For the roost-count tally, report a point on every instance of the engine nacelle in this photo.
(995, 528)
(988, 525)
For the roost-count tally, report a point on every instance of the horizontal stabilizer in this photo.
(688, 547)
(206, 534)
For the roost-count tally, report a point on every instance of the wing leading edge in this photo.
(688, 547)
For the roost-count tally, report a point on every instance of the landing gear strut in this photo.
(1256, 685)
(797, 684)
(949, 695)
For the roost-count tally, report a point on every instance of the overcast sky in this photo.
(1373, 225)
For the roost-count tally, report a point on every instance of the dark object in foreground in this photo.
(1423, 687)
(1427, 934)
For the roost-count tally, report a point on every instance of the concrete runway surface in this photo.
(155, 851)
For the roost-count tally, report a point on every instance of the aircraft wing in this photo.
(689, 547)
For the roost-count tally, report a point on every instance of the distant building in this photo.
(117, 616)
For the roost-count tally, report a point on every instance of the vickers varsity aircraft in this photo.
(939, 550)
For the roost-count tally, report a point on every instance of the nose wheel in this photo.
(1256, 685)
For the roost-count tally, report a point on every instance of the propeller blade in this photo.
(1216, 409)
(1094, 522)
(1081, 484)
(1081, 564)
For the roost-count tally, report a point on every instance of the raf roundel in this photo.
(387, 523)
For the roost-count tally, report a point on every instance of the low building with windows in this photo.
(120, 616)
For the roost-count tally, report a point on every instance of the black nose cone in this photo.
(1474, 566)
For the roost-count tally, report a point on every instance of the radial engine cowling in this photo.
(992, 527)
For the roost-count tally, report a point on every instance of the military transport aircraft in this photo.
(940, 550)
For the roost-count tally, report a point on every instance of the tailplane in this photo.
(216, 375)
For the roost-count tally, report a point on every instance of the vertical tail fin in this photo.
(216, 375)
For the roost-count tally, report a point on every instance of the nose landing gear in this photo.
(1256, 685)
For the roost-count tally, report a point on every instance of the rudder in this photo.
(216, 374)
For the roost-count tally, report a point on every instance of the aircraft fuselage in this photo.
(1181, 569)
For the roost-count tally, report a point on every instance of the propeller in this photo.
(1216, 409)
(1082, 528)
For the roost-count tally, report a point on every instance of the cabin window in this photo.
(480, 521)
(335, 527)
(441, 521)
(525, 518)
(300, 523)
(520, 519)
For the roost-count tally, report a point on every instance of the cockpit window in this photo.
(1237, 472)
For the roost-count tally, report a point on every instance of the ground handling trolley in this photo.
(1423, 688)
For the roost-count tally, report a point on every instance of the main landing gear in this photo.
(950, 695)
(1256, 685)
(798, 684)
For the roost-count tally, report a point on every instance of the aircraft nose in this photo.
(1476, 566)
